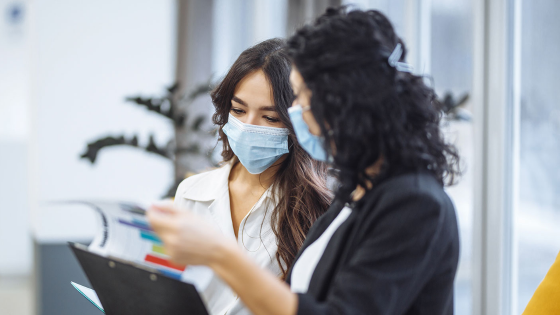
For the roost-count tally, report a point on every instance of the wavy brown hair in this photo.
(301, 182)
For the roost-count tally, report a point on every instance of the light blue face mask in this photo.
(256, 147)
(311, 143)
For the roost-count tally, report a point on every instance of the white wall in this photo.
(239, 24)
(89, 55)
(15, 243)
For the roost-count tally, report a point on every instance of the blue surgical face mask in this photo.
(311, 143)
(256, 147)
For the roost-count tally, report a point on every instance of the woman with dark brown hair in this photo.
(269, 191)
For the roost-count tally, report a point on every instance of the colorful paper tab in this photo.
(136, 224)
(150, 237)
(162, 262)
(158, 249)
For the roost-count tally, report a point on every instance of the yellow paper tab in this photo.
(158, 249)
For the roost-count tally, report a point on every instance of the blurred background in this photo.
(86, 89)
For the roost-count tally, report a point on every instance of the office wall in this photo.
(87, 57)
(15, 243)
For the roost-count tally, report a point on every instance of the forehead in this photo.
(255, 89)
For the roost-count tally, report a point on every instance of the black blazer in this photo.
(397, 253)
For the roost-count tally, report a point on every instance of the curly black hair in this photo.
(365, 106)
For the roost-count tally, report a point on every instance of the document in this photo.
(124, 233)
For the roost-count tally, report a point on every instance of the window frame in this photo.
(496, 77)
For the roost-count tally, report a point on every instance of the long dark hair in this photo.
(368, 109)
(301, 182)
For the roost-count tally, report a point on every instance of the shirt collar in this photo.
(210, 186)
(213, 185)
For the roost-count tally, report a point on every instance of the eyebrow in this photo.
(238, 100)
(264, 108)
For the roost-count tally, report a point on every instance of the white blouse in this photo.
(305, 265)
(207, 195)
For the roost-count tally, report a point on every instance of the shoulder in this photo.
(418, 186)
(203, 186)
(410, 209)
(413, 201)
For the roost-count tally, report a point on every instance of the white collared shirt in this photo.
(207, 195)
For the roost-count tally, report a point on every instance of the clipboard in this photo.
(125, 288)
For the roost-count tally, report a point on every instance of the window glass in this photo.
(537, 220)
(451, 69)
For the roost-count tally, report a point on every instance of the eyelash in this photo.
(272, 120)
(238, 111)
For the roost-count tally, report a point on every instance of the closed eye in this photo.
(271, 119)
(237, 111)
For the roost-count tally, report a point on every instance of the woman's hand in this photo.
(187, 238)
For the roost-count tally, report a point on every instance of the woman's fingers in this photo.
(165, 206)
(187, 238)
(158, 220)
(166, 227)
(171, 226)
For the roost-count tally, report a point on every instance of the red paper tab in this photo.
(162, 262)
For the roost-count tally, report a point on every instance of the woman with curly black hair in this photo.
(389, 242)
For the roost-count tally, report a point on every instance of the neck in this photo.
(372, 171)
(263, 180)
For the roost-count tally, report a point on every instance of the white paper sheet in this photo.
(89, 294)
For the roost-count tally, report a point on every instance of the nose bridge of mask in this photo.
(256, 136)
(273, 131)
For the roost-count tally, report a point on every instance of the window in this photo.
(451, 69)
(537, 219)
